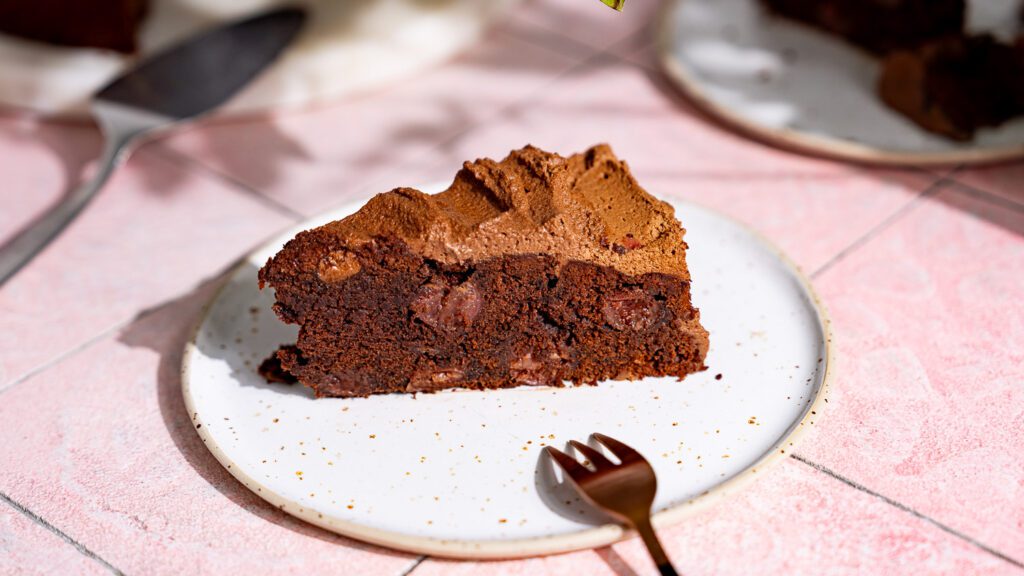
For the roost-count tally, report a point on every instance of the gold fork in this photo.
(625, 491)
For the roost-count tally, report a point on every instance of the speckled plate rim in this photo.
(519, 548)
(794, 140)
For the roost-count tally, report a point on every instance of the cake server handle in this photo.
(170, 86)
(118, 136)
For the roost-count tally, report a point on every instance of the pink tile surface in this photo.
(795, 520)
(810, 218)
(154, 232)
(317, 158)
(40, 163)
(928, 407)
(112, 459)
(27, 548)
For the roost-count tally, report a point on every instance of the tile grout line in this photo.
(68, 353)
(546, 44)
(415, 564)
(180, 160)
(114, 328)
(613, 49)
(38, 520)
(185, 161)
(903, 507)
(985, 196)
(888, 221)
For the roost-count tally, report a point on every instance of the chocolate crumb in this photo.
(272, 370)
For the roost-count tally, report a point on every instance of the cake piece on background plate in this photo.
(956, 85)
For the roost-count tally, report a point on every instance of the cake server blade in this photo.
(204, 71)
(163, 90)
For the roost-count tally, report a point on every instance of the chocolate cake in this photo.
(956, 85)
(108, 24)
(878, 26)
(535, 270)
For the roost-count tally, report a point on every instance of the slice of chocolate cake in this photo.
(956, 85)
(534, 270)
(877, 25)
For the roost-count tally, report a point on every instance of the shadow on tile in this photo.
(77, 147)
(343, 143)
(179, 425)
(994, 210)
(260, 155)
(615, 562)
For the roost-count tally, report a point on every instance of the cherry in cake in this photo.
(535, 270)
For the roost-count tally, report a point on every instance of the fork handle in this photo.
(23, 247)
(646, 531)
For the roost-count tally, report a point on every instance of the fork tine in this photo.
(596, 458)
(621, 451)
(567, 463)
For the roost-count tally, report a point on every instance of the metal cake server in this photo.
(165, 89)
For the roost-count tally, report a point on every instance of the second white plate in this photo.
(461, 473)
(794, 86)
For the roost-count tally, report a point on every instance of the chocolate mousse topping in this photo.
(586, 207)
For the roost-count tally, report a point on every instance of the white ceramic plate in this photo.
(461, 473)
(795, 86)
(347, 46)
